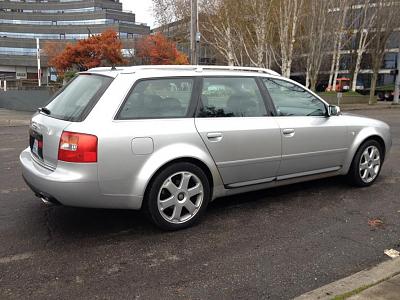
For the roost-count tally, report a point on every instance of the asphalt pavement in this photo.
(272, 244)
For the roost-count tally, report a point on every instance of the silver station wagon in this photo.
(169, 139)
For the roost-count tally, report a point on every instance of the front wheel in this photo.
(366, 164)
(178, 196)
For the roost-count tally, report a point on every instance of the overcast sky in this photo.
(142, 9)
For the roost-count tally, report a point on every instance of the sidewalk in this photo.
(378, 283)
(14, 118)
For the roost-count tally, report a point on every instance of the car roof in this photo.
(185, 70)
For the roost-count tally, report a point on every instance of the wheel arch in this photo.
(171, 154)
(192, 160)
(362, 137)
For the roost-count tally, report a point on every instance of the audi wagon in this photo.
(170, 139)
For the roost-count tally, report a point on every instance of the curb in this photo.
(365, 278)
(369, 107)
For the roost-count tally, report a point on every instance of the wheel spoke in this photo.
(190, 206)
(371, 172)
(365, 156)
(171, 187)
(364, 174)
(377, 161)
(185, 181)
(176, 215)
(363, 166)
(197, 189)
(372, 154)
(168, 202)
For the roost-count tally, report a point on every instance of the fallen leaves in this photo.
(376, 223)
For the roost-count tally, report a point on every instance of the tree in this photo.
(98, 50)
(365, 18)
(386, 22)
(256, 33)
(315, 43)
(158, 50)
(342, 37)
(287, 16)
(220, 28)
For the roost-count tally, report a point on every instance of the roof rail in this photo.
(197, 68)
(237, 68)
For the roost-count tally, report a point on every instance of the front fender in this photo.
(361, 136)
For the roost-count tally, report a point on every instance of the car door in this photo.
(234, 124)
(312, 141)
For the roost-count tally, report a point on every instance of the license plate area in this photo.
(36, 143)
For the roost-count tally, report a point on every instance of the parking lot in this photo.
(272, 244)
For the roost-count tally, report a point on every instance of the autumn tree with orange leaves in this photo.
(158, 50)
(95, 51)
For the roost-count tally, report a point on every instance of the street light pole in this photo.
(39, 71)
(397, 83)
(194, 28)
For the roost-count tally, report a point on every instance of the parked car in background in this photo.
(342, 85)
(170, 139)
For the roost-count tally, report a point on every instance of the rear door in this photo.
(71, 104)
(234, 123)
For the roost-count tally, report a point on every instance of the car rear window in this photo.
(76, 100)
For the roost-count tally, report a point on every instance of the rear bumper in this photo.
(72, 185)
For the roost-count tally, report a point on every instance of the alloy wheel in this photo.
(370, 163)
(180, 197)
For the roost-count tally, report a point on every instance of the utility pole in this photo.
(39, 71)
(194, 33)
(397, 83)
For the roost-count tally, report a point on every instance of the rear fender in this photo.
(170, 153)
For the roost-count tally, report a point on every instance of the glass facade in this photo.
(61, 23)
(53, 11)
(23, 21)
(17, 51)
(60, 36)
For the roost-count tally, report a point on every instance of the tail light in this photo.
(77, 147)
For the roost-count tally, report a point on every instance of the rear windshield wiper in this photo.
(44, 110)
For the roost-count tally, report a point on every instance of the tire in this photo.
(177, 196)
(366, 165)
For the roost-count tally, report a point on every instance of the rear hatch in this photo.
(71, 104)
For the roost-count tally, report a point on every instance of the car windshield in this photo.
(77, 99)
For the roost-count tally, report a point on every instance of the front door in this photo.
(312, 142)
(233, 122)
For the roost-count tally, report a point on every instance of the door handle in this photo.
(214, 136)
(289, 132)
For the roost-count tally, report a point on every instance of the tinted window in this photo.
(231, 97)
(79, 96)
(158, 98)
(292, 100)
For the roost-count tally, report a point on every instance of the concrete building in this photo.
(22, 21)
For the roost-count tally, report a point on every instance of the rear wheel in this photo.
(366, 164)
(178, 196)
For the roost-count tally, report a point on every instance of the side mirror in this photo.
(334, 110)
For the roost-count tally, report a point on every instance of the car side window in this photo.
(158, 98)
(231, 97)
(292, 100)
